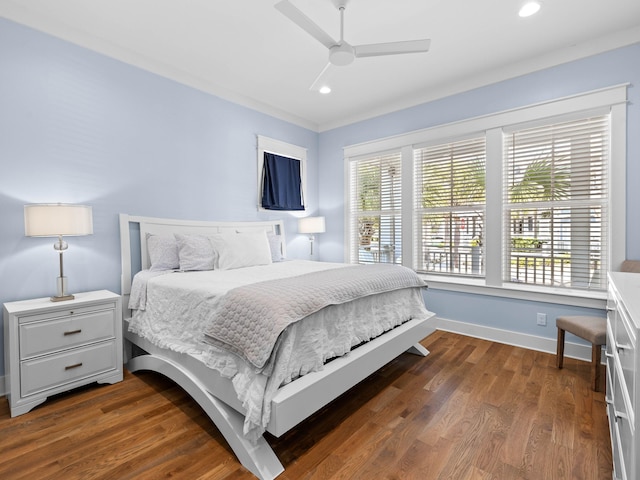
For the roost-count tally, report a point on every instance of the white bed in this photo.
(291, 403)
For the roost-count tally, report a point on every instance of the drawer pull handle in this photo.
(622, 346)
(619, 415)
(72, 332)
(76, 365)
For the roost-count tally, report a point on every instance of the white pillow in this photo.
(163, 252)
(241, 250)
(195, 252)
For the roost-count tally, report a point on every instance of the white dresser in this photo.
(623, 385)
(51, 347)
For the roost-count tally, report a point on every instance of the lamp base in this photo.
(62, 298)
(61, 288)
(311, 239)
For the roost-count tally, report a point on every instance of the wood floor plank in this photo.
(472, 409)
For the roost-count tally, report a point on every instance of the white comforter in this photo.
(172, 320)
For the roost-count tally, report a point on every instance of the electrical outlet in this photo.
(542, 319)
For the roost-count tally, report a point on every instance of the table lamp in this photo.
(311, 226)
(56, 220)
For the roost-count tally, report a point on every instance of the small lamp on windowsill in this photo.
(311, 226)
(56, 220)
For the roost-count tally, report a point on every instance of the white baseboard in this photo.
(508, 337)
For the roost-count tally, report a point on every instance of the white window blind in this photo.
(450, 207)
(555, 199)
(375, 209)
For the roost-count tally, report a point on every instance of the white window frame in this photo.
(566, 203)
(417, 249)
(350, 239)
(612, 99)
(284, 149)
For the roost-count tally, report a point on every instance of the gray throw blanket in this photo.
(249, 319)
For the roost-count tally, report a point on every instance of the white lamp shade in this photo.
(52, 220)
(311, 225)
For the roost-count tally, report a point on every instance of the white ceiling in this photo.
(248, 52)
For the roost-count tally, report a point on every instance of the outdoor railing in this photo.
(468, 261)
(526, 267)
(539, 268)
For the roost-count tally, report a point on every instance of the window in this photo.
(556, 197)
(450, 202)
(375, 209)
(292, 154)
(281, 183)
(521, 203)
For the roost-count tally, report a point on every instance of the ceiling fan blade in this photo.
(322, 79)
(393, 48)
(296, 16)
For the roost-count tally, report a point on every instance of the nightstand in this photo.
(53, 347)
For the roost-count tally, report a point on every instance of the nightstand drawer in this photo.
(38, 338)
(67, 311)
(47, 372)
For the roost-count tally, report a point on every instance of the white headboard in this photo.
(132, 257)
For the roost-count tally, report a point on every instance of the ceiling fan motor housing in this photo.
(341, 55)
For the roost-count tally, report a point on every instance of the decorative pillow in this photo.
(241, 250)
(275, 244)
(195, 252)
(163, 252)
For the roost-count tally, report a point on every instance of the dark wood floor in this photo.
(472, 409)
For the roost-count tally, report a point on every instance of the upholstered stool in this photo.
(592, 329)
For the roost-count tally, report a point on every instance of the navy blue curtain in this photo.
(281, 183)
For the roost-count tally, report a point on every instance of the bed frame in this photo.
(294, 402)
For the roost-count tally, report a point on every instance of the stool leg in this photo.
(595, 362)
(560, 348)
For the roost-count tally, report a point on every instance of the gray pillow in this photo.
(195, 252)
(163, 252)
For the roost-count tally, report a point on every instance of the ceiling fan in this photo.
(341, 52)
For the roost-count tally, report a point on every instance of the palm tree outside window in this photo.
(556, 182)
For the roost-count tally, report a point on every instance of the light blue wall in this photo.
(613, 68)
(79, 127)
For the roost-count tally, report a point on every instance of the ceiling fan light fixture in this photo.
(325, 89)
(529, 8)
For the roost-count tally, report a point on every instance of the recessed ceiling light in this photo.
(325, 89)
(529, 8)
